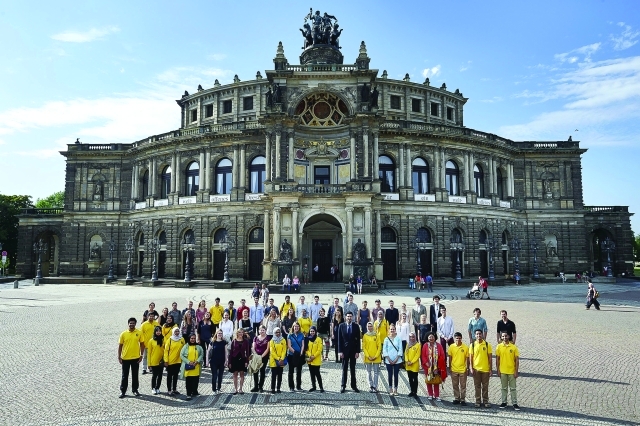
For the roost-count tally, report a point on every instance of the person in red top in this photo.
(243, 307)
(434, 364)
(484, 284)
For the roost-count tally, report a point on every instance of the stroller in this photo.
(474, 293)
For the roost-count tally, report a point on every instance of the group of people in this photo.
(247, 339)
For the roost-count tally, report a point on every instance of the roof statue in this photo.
(320, 30)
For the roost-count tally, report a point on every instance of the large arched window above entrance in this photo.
(189, 237)
(165, 182)
(387, 235)
(420, 176)
(193, 179)
(220, 236)
(162, 238)
(387, 173)
(452, 176)
(258, 174)
(322, 109)
(223, 176)
(424, 236)
(256, 236)
(478, 180)
(482, 239)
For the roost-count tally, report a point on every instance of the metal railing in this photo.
(607, 209)
(34, 211)
(322, 67)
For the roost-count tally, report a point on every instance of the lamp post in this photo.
(419, 246)
(338, 259)
(534, 247)
(112, 248)
(305, 269)
(491, 245)
(188, 247)
(457, 245)
(226, 244)
(128, 247)
(516, 246)
(608, 245)
(39, 247)
(153, 245)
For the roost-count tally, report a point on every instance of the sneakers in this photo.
(122, 395)
(503, 405)
(487, 405)
(153, 391)
(438, 399)
(477, 405)
(189, 398)
(429, 398)
(516, 407)
(136, 393)
(313, 389)
(144, 371)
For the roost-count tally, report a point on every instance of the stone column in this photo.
(352, 155)
(203, 171)
(294, 227)
(207, 160)
(436, 168)
(511, 180)
(242, 179)
(173, 173)
(276, 232)
(492, 173)
(378, 236)
(267, 166)
(443, 168)
(153, 177)
(401, 160)
(277, 159)
(290, 162)
(267, 228)
(177, 173)
(234, 168)
(468, 169)
(408, 177)
(471, 164)
(367, 230)
(376, 154)
(365, 141)
(134, 182)
(349, 211)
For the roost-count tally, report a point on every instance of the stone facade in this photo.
(326, 156)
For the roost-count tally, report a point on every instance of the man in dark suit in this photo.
(434, 313)
(349, 350)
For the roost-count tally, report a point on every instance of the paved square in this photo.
(60, 364)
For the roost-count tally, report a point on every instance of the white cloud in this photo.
(492, 100)
(86, 36)
(431, 72)
(217, 56)
(626, 39)
(585, 51)
(465, 66)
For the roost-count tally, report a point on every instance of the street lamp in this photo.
(188, 247)
(305, 269)
(419, 246)
(112, 247)
(608, 245)
(338, 259)
(226, 244)
(39, 248)
(153, 245)
(534, 247)
(491, 244)
(128, 247)
(516, 246)
(457, 245)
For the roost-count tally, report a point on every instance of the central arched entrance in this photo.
(322, 245)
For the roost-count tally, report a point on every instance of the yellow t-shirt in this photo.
(372, 347)
(216, 314)
(277, 352)
(507, 354)
(315, 349)
(147, 329)
(172, 351)
(155, 353)
(130, 341)
(412, 354)
(480, 353)
(167, 330)
(192, 357)
(305, 325)
(382, 329)
(459, 356)
(284, 309)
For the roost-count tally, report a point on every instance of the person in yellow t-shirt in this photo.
(130, 348)
(191, 355)
(314, 352)
(284, 309)
(507, 365)
(147, 329)
(458, 363)
(381, 327)
(481, 366)
(372, 356)
(216, 312)
(412, 355)
(172, 348)
(155, 355)
(305, 323)
(277, 359)
(168, 326)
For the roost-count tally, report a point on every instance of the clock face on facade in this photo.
(321, 109)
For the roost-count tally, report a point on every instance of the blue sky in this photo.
(110, 71)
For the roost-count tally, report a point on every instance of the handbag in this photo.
(189, 367)
(596, 295)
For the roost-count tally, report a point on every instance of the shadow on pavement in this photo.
(580, 379)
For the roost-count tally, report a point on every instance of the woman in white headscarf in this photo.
(172, 361)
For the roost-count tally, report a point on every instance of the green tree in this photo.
(10, 207)
(53, 201)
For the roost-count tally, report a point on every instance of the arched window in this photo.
(478, 179)
(141, 239)
(223, 176)
(162, 238)
(145, 184)
(505, 238)
(256, 236)
(420, 176)
(258, 174)
(165, 182)
(483, 237)
(189, 237)
(193, 179)
(499, 183)
(220, 236)
(424, 236)
(387, 235)
(452, 175)
(387, 173)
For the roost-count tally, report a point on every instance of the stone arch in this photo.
(296, 98)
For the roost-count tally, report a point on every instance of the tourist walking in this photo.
(191, 356)
(507, 366)
(392, 354)
(217, 355)
(481, 367)
(459, 366)
(434, 364)
(314, 356)
(172, 349)
(371, 351)
(592, 296)
(130, 349)
(484, 284)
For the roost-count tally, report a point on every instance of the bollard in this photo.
(15, 284)
(37, 282)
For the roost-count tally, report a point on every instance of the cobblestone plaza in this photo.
(60, 362)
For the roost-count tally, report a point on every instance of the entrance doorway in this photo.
(390, 269)
(255, 264)
(322, 256)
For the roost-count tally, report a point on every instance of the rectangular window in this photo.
(416, 105)
(227, 106)
(449, 113)
(194, 115)
(321, 175)
(395, 102)
(247, 103)
(208, 110)
(434, 109)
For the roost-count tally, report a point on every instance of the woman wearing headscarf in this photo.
(412, 363)
(191, 356)
(155, 355)
(372, 348)
(434, 365)
(323, 330)
(295, 358)
(305, 323)
(392, 354)
(314, 354)
(239, 360)
(260, 348)
(277, 359)
(217, 355)
(172, 348)
(204, 333)
(168, 326)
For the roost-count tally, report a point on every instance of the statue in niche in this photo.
(546, 186)
(285, 251)
(276, 94)
(359, 251)
(374, 97)
(96, 252)
(552, 250)
(270, 98)
(97, 191)
(364, 93)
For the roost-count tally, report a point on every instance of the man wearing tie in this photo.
(349, 350)
(434, 313)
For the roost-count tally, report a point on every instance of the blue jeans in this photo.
(217, 371)
(392, 372)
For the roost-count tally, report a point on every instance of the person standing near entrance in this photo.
(429, 282)
(316, 271)
(484, 284)
(332, 271)
(349, 350)
(130, 350)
